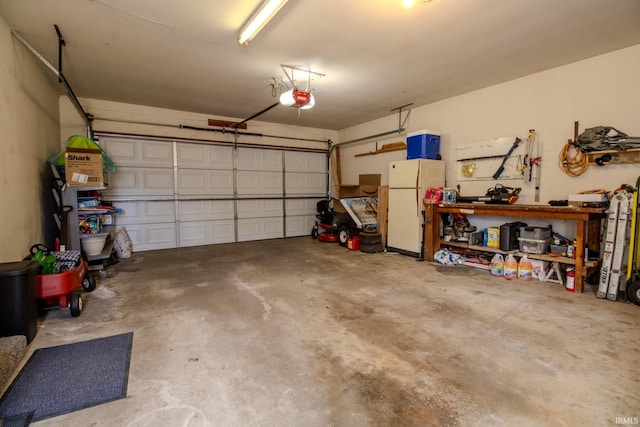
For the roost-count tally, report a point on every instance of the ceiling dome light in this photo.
(298, 99)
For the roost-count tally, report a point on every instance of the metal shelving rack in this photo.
(67, 219)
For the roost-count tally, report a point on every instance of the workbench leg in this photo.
(429, 232)
(579, 251)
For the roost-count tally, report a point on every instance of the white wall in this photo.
(128, 118)
(604, 90)
(29, 134)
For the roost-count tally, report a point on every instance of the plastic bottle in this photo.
(510, 267)
(497, 265)
(525, 269)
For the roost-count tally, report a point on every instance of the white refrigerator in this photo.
(408, 182)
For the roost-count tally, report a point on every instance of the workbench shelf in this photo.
(541, 257)
(587, 220)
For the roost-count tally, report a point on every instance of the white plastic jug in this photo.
(497, 265)
(510, 267)
(525, 269)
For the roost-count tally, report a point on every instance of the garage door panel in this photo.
(297, 161)
(259, 208)
(259, 229)
(204, 156)
(206, 232)
(302, 206)
(201, 182)
(146, 237)
(259, 183)
(201, 210)
(132, 181)
(133, 152)
(140, 212)
(298, 183)
(300, 225)
(259, 159)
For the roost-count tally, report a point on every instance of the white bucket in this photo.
(93, 245)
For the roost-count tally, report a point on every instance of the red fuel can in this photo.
(354, 243)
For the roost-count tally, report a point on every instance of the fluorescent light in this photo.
(264, 14)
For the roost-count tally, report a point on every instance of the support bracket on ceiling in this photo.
(401, 128)
(402, 123)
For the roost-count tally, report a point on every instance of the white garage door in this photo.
(177, 194)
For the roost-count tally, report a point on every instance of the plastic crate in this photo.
(423, 144)
(535, 233)
(534, 246)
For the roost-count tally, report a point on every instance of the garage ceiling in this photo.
(376, 54)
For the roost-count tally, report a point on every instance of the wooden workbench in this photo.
(587, 228)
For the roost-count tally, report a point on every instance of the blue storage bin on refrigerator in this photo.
(423, 144)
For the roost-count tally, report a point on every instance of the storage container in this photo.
(539, 269)
(537, 233)
(492, 235)
(18, 299)
(534, 246)
(423, 144)
(93, 246)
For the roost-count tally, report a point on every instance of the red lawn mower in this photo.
(333, 226)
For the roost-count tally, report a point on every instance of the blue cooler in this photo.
(423, 144)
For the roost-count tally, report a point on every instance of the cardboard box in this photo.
(83, 167)
(369, 184)
(367, 187)
(539, 268)
(349, 191)
(492, 235)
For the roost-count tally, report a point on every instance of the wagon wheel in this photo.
(88, 282)
(75, 304)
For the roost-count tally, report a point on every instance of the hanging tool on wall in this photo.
(498, 195)
(531, 137)
(534, 161)
(515, 145)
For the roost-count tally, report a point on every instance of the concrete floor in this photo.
(296, 332)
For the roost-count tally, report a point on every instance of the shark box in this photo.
(83, 167)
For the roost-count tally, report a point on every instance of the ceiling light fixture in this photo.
(259, 19)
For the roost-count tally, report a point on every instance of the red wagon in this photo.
(60, 289)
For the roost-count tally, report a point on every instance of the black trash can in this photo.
(18, 299)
